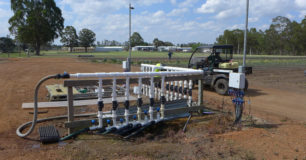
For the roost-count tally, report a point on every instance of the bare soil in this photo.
(274, 124)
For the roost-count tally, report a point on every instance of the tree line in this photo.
(283, 37)
(38, 22)
(69, 38)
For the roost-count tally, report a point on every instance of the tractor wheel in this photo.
(246, 85)
(221, 86)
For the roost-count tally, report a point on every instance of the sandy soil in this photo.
(277, 100)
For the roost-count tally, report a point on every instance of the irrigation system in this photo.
(168, 91)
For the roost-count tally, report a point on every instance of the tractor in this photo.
(217, 66)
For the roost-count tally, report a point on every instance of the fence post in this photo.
(200, 92)
(70, 107)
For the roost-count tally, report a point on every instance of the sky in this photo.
(177, 21)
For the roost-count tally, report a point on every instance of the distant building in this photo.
(206, 50)
(109, 49)
(186, 49)
(174, 48)
(78, 49)
(143, 48)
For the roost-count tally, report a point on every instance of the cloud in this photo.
(179, 11)
(253, 19)
(173, 2)
(5, 13)
(302, 14)
(236, 26)
(290, 16)
(300, 3)
(212, 6)
(188, 3)
(231, 8)
(85, 7)
(4, 3)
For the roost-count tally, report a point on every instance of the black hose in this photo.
(139, 130)
(74, 134)
(238, 113)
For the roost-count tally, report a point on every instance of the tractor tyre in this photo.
(246, 85)
(221, 86)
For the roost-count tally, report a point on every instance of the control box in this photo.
(237, 80)
(124, 65)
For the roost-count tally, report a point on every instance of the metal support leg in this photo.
(70, 107)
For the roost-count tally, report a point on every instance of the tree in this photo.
(136, 39)
(69, 37)
(87, 38)
(36, 21)
(157, 43)
(6, 44)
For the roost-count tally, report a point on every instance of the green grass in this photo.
(112, 57)
(12, 55)
(122, 54)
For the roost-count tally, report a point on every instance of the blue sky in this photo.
(178, 21)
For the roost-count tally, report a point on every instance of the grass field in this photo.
(180, 59)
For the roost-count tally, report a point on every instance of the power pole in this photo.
(245, 32)
(130, 26)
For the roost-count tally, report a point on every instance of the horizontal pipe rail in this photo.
(167, 67)
(91, 82)
(135, 74)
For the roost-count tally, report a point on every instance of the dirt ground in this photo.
(274, 125)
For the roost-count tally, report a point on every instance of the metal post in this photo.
(245, 32)
(200, 92)
(130, 26)
(70, 107)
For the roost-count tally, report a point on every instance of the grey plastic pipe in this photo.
(34, 121)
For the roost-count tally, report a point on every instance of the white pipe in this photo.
(127, 98)
(185, 86)
(139, 87)
(114, 93)
(167, 91)
(162, 107)
(190, 97)
(135, 74)
(180, 86)
(100, 113)
(152, 87)
(163, 86)
(126, 114)
(175, 93)
(171, 92)
(167, 67)
(127, 89)
(100, 90)
(151, 97)
(139, 96)
(114, 117)
(100, 117)
(114, 98)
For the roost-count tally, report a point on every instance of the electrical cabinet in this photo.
(237, 80)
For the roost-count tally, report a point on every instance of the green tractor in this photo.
(217, 66)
